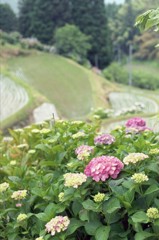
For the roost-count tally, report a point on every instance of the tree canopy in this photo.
(71, 42)
(8, 20)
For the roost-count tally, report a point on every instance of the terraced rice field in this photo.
(13, 97)
(121, 100)
(64, 83)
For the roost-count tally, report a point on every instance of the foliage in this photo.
(36, 158)
(115, 72)
(144, 45)
(122, 26)
(29, 43)
(90, 16)
(71, 42)
(12, 37)
(149, 19)
(40, 19)
(101, 113)
(8, 20)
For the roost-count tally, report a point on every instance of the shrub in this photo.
(111, 192)
(12, 38)
(145, 80)
(31, 43)
(118, 73)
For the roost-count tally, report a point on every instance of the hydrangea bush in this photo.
(64, 180)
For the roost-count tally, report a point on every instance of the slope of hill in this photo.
(73, 89)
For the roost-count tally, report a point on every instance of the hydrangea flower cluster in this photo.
(19, 195)
(83, 151)
(39, 238)
(21, 217)
(78, 135)
(61, 196)
(154, 151)
(24, 145)
(13, 162)
(139, 177)
(74, 179)
(134, 158)
(45, 131)
(99, 197)
(153, 213)
(57, 224)
(4, 186)
(104, 139)
(101, 168)
(137, 123)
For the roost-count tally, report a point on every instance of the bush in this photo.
(12, 38)
(42, 178)
(31, 43)
(117, 73)
(145, 80)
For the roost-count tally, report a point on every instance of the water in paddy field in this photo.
(13, 97)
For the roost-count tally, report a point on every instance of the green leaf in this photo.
(73, 226)
(83, 215)
(140, 217)
(42, 217)
(90, 205)
(111, 205)
(50, 210)
(152, 189)
(76, 207)
(92, 226)
(102, 233)
(143, 235)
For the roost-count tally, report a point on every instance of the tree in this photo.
(41, 18)
(90, 17)
(8, 20)
(25, 17)
(71, 42)
(122, 26)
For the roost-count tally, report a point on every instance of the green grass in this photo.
(64, 83)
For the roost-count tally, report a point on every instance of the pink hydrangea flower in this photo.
(106, 139)
(57, 224)
(137, 123)
(101, 168)
(83, 151)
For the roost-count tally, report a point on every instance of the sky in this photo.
(116, 1)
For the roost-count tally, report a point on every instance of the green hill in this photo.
(72, 88)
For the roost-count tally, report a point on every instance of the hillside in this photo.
(73, 89)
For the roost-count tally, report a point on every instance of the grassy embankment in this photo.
(72, 88)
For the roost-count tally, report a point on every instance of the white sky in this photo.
(116, 1)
